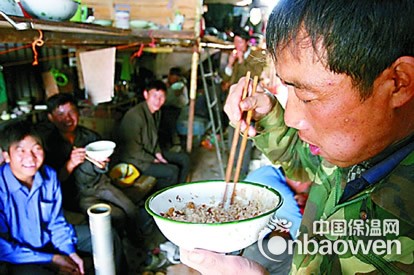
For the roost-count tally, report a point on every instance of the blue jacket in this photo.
(32, 225)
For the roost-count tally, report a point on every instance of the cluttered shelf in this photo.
(33, 116)
(24, 30)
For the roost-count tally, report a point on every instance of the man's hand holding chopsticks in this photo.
(261, 103)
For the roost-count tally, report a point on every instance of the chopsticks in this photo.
(236, 135)
(242, 149)
(95, 162)
(245, 135)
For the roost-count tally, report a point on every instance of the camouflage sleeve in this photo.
(281, 145)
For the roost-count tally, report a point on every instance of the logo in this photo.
(334, 237)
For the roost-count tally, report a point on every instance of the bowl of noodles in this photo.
(192, 215)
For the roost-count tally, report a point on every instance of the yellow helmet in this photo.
(124, 174)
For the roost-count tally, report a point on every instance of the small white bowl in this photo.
(53, 10)
(138, 24)
(100, 150)
(219, 237)
(103, 22)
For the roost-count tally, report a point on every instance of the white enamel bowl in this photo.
(219, 237)
(100, 150)
(53, 10)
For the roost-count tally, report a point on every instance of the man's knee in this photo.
(173, 172)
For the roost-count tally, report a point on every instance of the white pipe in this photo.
(102, 241)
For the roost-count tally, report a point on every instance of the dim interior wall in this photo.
(164, 61)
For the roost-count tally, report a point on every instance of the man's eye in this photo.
(305, 101)
(38, 149)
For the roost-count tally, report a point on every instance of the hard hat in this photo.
(124, 174)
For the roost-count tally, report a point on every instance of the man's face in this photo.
(65, 117)
(155, 99)
(327, 111)
(172, 78)
(25, 158)
(240, 44)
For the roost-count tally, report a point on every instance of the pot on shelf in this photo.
(53, 10)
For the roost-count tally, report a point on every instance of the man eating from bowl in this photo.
(83, 182)
(348, 124)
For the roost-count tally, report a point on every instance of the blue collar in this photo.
(15, 185)
(377, 172)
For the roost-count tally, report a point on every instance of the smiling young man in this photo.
(34, 235)
(139, 141)
(348, 125)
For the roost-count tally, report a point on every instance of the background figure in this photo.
(139, 141)
(84, 184)
(39, 240)
(176, 101)
(241, 60)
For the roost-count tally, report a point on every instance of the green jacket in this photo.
(138, 136)
(389, 199)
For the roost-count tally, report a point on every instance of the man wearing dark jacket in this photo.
(139, 141)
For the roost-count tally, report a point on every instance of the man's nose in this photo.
(67, 117)
(294, 116)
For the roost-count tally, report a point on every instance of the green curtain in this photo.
(3, 92)
(126, 69)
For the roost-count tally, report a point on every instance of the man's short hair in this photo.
(17, 131)
(242, 33)
(158, 85)
(361, 38)
(57, 100)
(175, 71)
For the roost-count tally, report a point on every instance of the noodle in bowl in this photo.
(190, 215)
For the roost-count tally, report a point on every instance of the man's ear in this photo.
(6, 156)
(50, 117)
(403, 76)
(145, 94)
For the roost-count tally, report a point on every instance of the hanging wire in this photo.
(38, 42)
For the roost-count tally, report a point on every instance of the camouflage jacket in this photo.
(347, 235)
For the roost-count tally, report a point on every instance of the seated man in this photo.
(139, 140)
(84, 184)
(34, 235)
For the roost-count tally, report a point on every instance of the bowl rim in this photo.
(156, 215)
(89, 145)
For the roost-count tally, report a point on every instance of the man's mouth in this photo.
(315, 150)
(29, 166)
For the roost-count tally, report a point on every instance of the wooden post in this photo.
(193, 94)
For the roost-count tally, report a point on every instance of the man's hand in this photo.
(261, 104)
(79, 262)
(232, 58)
(77, 156)
(210, 263)
(68, 265)
(159, 158)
